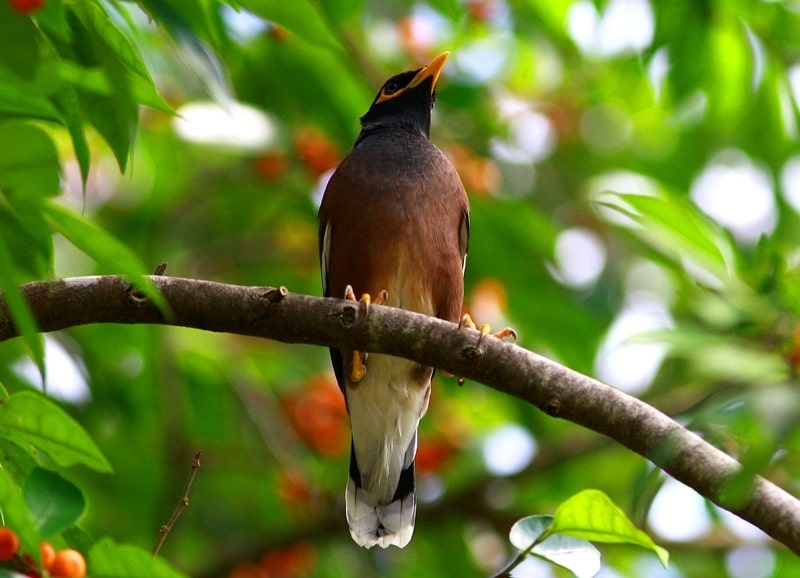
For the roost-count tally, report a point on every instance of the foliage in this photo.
(652, 142)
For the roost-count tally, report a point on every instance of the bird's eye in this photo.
(390, 88)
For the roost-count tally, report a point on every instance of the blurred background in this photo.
(634, 175)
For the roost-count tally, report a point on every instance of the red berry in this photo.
(68, 564)
(9, 544)
(26, 6)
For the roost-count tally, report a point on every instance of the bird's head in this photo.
(407, 98)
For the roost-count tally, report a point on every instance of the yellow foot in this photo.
(466, 321)
(359, 369)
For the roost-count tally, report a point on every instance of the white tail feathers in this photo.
(383, 525)
(375, 519)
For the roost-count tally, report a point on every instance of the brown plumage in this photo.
(394, 217)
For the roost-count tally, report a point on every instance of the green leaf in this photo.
(18, 308)
(5, 573)
(54, 503)
(300, 17)
(15, 513)
(676, 228)
(20, 51)
(28, 239)
(576, 555)
(110, 560)
(67, 101)
(78, 539)
(99, 42)
(52, 18)
(20, 98)
(109, 252)
(591, 515)
(30, 418)
(28, 160)
(16, 460)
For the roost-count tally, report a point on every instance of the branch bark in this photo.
(274, 313)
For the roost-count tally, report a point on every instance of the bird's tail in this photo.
(384, 524)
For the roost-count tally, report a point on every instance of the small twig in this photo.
(164, 531)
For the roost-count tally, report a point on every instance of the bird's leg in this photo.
(359, 369)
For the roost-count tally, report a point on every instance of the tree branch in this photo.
(557, 390)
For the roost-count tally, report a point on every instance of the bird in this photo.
(394, 224)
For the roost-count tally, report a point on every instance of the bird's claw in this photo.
(466, 321)
(359, 369)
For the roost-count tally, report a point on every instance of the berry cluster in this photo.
(62, 564)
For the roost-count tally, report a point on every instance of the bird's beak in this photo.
(432, 70)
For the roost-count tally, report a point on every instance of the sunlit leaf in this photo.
(591, 515)
(300, 17)
(675, 227)
(31, 418)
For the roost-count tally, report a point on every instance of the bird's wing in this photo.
(324, 266)
(324, 253)
(463, 240)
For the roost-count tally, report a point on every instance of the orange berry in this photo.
(316, 150)
(68, 564)
(48, 554)
(9, 543)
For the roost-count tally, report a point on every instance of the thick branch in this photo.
(558, 391)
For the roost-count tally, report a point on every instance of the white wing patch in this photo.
(325, 257)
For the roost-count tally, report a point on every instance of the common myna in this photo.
(394, 224)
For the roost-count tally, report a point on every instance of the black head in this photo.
(407, 98)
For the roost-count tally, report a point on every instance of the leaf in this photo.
(300, 17)
(54, 503)
(31, 418)
(5, 573)
(110, 560)
(109, 252)
(18, 308)
(78, 538)
(20, 51)
(14, 513)
(576, 555)
(52, 18)
(676, 228)
(28, 239)
(28, 160)
(591, 515)
(67, 101)
(18, 97)
(16, 460)
(98, 40)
